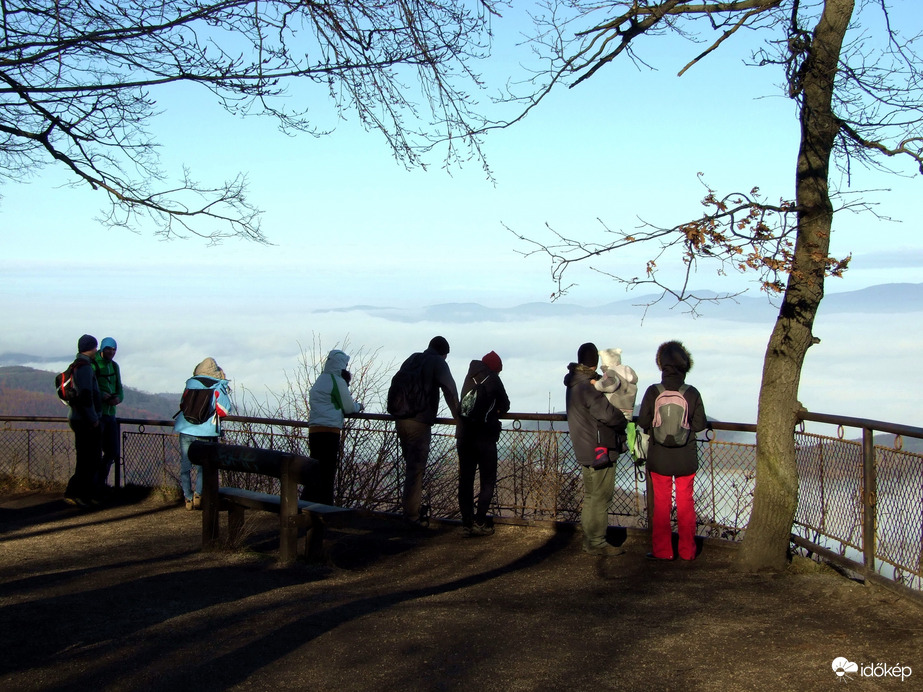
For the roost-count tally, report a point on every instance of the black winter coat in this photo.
(589, 415)
(493, 387)
(673, 461)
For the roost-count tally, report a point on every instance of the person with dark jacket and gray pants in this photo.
(667, 465)
(415, 433)
(84, 419)
(597, 432)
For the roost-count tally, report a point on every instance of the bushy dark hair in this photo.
(675, 354)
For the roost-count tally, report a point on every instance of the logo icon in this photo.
(842, 666)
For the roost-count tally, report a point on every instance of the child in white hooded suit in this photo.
(619, 382)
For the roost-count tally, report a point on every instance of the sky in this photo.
(349, 226)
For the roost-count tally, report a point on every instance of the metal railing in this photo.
(859, 503)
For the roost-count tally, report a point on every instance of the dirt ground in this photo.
(122, 598)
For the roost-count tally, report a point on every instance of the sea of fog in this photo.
(863, 365)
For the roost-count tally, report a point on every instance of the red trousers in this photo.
(661, 534)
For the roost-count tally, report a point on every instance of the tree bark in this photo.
(766, 541)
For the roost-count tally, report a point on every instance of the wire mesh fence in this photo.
(539, 478)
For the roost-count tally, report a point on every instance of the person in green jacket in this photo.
(110, 390)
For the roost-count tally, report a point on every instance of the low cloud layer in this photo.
(863, 366)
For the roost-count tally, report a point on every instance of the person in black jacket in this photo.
(597, 432)
(84, 419)
(668, 465)
(415, 433)
(477, 435)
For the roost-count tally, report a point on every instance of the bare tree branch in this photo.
(77, 85)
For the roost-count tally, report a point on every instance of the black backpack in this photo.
(477, 404)
(65, 385)
(198, 405)
(407, 393)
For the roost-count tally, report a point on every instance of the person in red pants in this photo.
(672, 413)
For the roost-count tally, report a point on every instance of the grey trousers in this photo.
(598, 486)
(415, 438)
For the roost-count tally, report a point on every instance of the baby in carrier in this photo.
(618, 382)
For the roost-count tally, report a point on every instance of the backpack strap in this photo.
(335, 396)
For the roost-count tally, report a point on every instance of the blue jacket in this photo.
(325, 408)
(211, 427)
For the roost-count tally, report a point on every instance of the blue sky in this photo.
(350, 226)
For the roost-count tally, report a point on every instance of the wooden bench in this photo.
(294, 515)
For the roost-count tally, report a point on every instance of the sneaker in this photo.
(197, 501)
(189, 505)
(76, 501)
(464, 530)
(606, 550)
(482, 530)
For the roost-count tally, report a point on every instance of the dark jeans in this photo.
(415, 439)
(89, 453)
(111, 434)
(325, 448)
(476, 451)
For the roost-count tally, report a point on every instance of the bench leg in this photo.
(288, 540)
(314, 539)
(235, 523)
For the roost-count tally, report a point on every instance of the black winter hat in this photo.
(439, 345)
(588, 355)
(86, 343)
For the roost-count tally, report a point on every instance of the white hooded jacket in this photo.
(326, 408)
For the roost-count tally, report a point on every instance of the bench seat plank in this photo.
(269, 502)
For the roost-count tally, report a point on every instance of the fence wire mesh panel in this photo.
(539, 479)
(899, 499)
(724, 488)
(41, 453)
(150, 456)
(830, 492)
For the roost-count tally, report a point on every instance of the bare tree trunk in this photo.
(766, 542)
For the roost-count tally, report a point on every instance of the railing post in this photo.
(869, 500)
(119, 461)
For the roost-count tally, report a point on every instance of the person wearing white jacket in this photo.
(329, 402)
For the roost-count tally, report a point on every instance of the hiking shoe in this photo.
(197, 501)
(651, 556)
(416, 524)
(189, 505)
(482, 530)
(605, 550)
(464, 530)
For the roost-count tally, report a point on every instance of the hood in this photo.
(209, 368)
(610, 357)
(336, 361)
(577, 372)
(478, 370)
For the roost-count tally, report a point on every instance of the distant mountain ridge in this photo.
(30, 392)
(881, 299)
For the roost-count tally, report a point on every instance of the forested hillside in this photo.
(30, 392)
